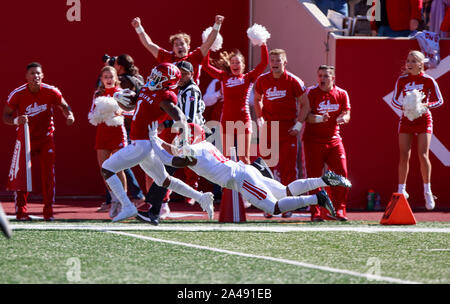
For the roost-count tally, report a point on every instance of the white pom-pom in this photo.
(412, 104)
(106, 109)
(217, 44)
(258, 34)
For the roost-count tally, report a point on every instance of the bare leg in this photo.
(423, 148)
(404, 143)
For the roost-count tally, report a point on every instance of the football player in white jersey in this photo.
(264, 193)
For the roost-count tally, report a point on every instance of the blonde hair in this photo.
(279, 52)
(225, 60)
(101, 86)
(420, 57)
(182, 36)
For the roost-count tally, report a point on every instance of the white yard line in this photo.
(290, 262)
(226, 227)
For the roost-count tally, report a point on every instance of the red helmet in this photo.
(164, 76)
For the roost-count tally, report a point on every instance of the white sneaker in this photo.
(207, 204)
(126, 212)
(115, 209)
(165, 211)
(429, 200)
(405, 194)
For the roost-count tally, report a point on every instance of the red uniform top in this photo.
(279, 95)
(109, 137)
(195, 58)
(334, 103)
(148, 110)
(236, 89)
(38, 106)
(423, 83)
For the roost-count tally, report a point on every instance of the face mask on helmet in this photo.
(155, 80)
(164, 76)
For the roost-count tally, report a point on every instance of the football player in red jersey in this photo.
(180, 46)
(278, 96)
(154, 102)
(34, 102)
(322, 143)
(421, 124)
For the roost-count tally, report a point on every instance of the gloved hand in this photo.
(124, 97)
(153, 130)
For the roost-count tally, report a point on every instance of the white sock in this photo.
(294, 202)
(113, 197)
(401, 188)
(183, 189)
(427, 188)
(116, 187)
(300, 186)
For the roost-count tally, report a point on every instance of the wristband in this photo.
(16, 121)
(139, 29)
(298, 126)
(319, 118)
(217, 26)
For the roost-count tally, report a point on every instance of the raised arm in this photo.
(259, 69)
(145, 38)
(211, 70)
(212, 36)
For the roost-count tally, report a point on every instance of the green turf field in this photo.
(187, 252)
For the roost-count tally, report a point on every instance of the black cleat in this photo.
(148, 217)
(332, 179)
(324, 201)
(262, 167)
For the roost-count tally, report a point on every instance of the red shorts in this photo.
(110, 137)
(423, 124)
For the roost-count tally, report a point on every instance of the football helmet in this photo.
(164, 76)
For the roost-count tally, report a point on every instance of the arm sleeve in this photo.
(259, 69)
(163, 155)
(435, 99)
(395, 98)
(212, 71)
(13, 101)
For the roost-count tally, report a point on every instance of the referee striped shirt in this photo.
(191, 103)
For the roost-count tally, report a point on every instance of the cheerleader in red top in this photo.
(107, 116)
(236, 90)
(424, 91)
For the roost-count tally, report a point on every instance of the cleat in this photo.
(104, 207)
(115, 209)
(126, 212)
(207, 204)
(262, 167)
(332, 179)
(341, 215)
(324, 201)
(148, 217)
(429, 200)
(267, 215)
(286, 214)
(165, 211)
(4, 224)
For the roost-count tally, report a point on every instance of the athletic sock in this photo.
(183, 189)
(300, 186)
(401, 188)
(294, 202)
(116, 186)
(427, 188)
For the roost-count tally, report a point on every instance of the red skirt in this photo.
(110, 137)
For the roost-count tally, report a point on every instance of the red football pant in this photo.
(316, 155)
(44, 150)
(286, 169)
